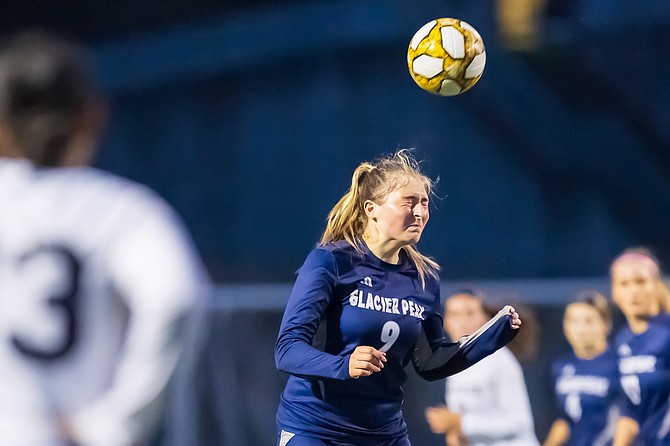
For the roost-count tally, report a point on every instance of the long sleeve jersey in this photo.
(644, 367)
(97, 282)
(353, 298)
(492, 400)
(588, 392)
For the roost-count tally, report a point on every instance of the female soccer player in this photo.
(643, 350)
(376, 298)
(97, 275)
(487, 405)
(586, 381)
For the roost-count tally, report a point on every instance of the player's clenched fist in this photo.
(365, 360)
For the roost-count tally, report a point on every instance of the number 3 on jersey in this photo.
(53, 272)
(390, 333)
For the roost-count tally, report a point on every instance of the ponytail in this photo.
(374, 181)
(346, 221)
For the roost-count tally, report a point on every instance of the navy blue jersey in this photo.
(356, 299)
(644, 365)
(587, 391)
(363, 301)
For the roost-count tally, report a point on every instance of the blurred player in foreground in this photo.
(487, 404)
(643, 350)
(97, 276)
(587, 380)
(377, 300)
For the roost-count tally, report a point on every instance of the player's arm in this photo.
(156, 273)
(627, 425)
(306, 307)
(441, 420)
(558, 434)
(626, 431)
(435, 357)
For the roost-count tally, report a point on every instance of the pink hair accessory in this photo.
(637, 257)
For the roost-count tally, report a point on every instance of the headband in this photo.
(637, 257)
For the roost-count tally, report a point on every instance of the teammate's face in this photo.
(463, 315)
(403, 215)
(583, 326)
(635, 289)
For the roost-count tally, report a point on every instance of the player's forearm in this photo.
(437, 361)
(558, 434)
(128, 410)
(626, 431)
(298, 358)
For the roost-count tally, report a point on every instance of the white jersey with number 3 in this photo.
(97, 278)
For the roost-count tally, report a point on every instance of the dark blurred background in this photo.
(250, 116)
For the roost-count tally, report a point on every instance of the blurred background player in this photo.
(487, 405)
(643, 349)
(97, 275)
(376, 298)
(587, 380)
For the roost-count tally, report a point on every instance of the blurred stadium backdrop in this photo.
(249, 117)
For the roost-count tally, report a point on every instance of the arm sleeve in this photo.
(560, 408)
(627, 408)
(436, 358)
(157, 275)
(513, 413)
(305, 309)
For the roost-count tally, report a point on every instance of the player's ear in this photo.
(370, 209)
(7, 144)
(90, 126)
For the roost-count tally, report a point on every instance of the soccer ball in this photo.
(446, 57)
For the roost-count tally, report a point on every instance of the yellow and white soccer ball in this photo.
(446, 57)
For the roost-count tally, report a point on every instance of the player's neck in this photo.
(637, 324)
(386, 250)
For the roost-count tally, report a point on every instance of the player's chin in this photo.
(413, 237)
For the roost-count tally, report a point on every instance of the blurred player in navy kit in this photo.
(587, 380)
(643, 350)
(377, 299)
(98, 278)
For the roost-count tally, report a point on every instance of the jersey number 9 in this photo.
(390, 333)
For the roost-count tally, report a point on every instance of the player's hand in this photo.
(365, 361)
(66, 431)
(456, 439)
(441, 420)
(516, 319)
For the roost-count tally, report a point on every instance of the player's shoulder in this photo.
(662, 321)
(339, 257)
(563, 359)
(342, 252)
(330, 254)
(338, 248)
(120, 195)
(433, 282)
(102, 182)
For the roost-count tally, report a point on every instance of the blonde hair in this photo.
(374, 181)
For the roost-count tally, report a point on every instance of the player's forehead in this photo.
(462, 302)
(410, 186)
(580, 310)
(631, 269)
